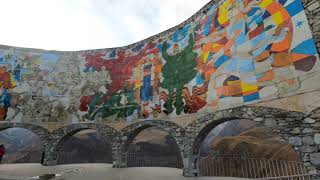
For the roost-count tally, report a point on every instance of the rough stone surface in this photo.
(312, 11)
(258, 119)
(308, 140)
(307, 149)
(306, 158)
(296, 141)
(317, 138)
(307, 130)
(270, 122)
(309, 121)
(315, 158)
(313, 6)
(295, 131)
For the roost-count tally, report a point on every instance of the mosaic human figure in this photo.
(146, 90)
(6, 85)
(178, 70)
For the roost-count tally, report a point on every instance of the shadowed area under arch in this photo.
(132, 130)
(208, 122)
(154, 147)
(85, 146)
(21, 146)
(139, 145)
(103, 136)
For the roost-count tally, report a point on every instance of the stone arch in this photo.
(294, 127)
(315, 113)
(61, 135)
(40, 131)
(130, 132)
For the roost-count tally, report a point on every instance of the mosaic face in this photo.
(239, 52)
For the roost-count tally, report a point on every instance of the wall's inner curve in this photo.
(237, 52)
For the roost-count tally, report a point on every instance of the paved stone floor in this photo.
(93, 172)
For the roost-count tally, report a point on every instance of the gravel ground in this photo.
(93, 172)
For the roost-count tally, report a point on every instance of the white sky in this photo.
(88, 24)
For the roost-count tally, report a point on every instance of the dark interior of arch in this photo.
(205, 132)
(219, 131)
(85, 146)
(154, 147)
(21, 146)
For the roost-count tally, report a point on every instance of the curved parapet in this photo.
(229, 54)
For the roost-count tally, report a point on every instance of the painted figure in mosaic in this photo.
(178, 70)
(104, 76)
(146, 90)
(238, 52)
(6, 85)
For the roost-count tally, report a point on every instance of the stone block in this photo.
(270, 122)
(124, 138)
(296, 141)
(307, 163)
(283, 124)
(308, 140)
(313, 171)
(258, 119)
(307, 149)
(309, 121)
(295, 131)
(315, 158)
(317, 138)
(316, 125)
(313, 6)
(307, 130)
(306, 158)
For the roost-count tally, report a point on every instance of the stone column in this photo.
(309, 146)
(304, 139)
(119, 152)
(119, 157)
(50, 151)
(191, 168)
(190, 161)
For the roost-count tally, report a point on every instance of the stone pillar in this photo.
(119, 157)
(119, 152)
(50, 151)
(185, 161)
(191, 167)
(305, 140)
(310, 149)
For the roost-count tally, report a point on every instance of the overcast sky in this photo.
(88, 24)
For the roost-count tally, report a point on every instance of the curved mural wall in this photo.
(236, 52)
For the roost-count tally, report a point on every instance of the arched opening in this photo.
(84, 146)
(153, 147)
(21, 146)
(215, 136)
(238, 148)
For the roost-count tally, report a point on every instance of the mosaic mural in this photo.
(238, 52)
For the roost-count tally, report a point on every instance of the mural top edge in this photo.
(231, 53)
(129, 46)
